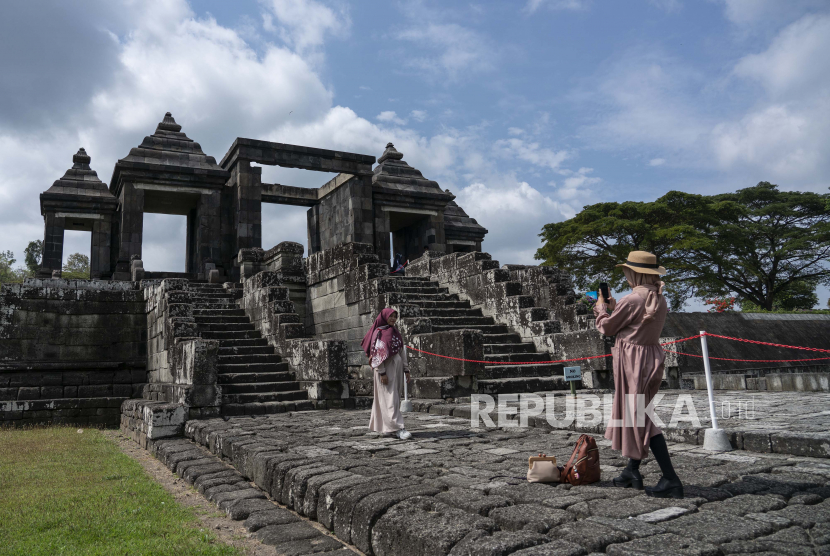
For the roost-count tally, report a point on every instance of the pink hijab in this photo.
(389, 335)
(647, 286)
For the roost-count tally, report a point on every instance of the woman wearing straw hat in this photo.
(637, 321)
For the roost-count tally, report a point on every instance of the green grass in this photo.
(62, 492)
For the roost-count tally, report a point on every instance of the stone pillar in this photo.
(132, 222)
(208, 248)
(99, 254)
(248, 204)
(361, 211)
(190, 242)
(313, 218)
(382, 229)
(52, 245)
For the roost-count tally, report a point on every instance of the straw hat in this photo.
(644, 263)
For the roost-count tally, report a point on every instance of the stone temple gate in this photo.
(247, 330)
(169, 174)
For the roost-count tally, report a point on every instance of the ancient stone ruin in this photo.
(245, 330)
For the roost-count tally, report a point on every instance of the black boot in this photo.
(669, 485)
(630, 477)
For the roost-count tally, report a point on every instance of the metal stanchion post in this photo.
(714, 439)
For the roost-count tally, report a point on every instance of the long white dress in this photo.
(386, 407)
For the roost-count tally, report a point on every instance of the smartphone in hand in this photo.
(603, 290)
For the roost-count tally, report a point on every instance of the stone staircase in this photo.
(447, 311)
(254, 379)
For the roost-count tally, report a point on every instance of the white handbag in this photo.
(542, 469)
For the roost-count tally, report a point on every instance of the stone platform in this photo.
(793, 423)
(453, 489)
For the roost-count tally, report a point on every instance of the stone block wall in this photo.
(347, 288)
(343, 216)
(169, 309)
(319, 364)
(536, 302)
(70, 350)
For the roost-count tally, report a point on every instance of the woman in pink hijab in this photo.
(383, 345)
(637, 321)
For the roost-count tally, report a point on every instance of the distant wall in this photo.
(70, 350)
(792, 329)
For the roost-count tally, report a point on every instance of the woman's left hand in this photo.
(408, 377)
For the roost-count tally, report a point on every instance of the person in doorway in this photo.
(399, 266)
(384, 346)
(637, 321)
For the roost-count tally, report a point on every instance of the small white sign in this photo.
(573, 373)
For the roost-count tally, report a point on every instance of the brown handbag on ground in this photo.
(542, 469)
(583, 467)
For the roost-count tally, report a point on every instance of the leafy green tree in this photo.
(765, 245)
(6, 272)
(76, 267)
(33, 256)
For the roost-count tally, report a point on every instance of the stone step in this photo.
(521, 347)
(463, 322)
(223, 335)
(256, 408)
(450, 312)
(235, 344)
(230, 348)
(247, 378)
(422, 290)
(234, 359)
(259, 387)
(213, 308)
(440, 304)
(420, 297)
(521, 385)
(516, 357)
(221, 319)
(252, 367)
(218, 312)
(413, 279)
(516, 371)
(288, 395)
(487, 329)
(226, 326)
(502, 338)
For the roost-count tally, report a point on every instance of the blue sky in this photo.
(526, 110)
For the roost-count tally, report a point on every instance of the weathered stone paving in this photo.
(457, 490)
(794, 423)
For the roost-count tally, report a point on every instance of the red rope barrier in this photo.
(748, 360)
(663, 344)
(765, 344)
(537, 362)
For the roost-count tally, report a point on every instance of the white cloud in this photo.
(575, 186)
(418, 115)
(572, 5)
(656, 161)
(389, 116)
(515, 131)
(668, 6)
(453, 50)
(304, 24)
(531, 152)
(749, 13)
(786, 136)
(648, 99)
(796, 62)
(774, 140)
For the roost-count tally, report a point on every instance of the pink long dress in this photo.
(638, 368)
